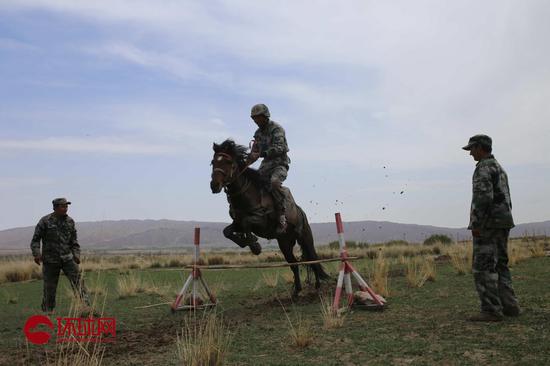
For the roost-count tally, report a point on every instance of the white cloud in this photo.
(103, 145)
(18, 182)
(164, 62)
(128, 129)
(438, 72)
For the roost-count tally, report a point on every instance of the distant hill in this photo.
(158, 234)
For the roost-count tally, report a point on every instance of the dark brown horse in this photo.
(251, 209)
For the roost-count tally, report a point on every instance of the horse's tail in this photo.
(305, 240)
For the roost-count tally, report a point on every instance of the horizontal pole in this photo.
(259, 265)
(152, 306)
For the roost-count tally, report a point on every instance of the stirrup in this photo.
(282, 225)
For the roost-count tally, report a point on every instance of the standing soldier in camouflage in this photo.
(60, 251)
(270, 144)
(490, 222)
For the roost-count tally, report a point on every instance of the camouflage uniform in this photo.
(59, 248)
(270, 142)
(491, 215)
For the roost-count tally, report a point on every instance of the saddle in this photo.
(266, 204)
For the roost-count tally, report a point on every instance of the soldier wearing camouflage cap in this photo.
(60, 251)
(271, 145)
(490, 222)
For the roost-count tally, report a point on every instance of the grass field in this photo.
(423, 324)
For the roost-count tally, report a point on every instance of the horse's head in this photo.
(228, 158)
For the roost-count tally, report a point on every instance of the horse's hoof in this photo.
(250, 238)
(255, 248)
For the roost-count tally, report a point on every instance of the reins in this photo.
(230, 158)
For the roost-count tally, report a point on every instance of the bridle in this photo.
(228, 157)
(217, 157)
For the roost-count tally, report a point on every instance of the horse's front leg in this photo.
(242, 237)
(247, 224)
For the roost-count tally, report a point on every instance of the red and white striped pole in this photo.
(196, 271)
(197, 275)
(193, 281)
(344, 279)
(341, 240)
(346, 270)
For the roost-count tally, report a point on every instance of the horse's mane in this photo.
(239, 153)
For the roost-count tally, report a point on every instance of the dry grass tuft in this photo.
(461, 258)
(130, 285)
(288, 277)
(205, 342)
(331, 319)
(87, 352)
(414, 273)
(419, 271)
(302, 334)
(538, 249)
(216, 260)
(380, 271)
(300, 330)
(271, 279)
(79, 352)
(19, 270)
(97, 287)
(429, 270)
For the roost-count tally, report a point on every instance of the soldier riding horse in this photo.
(253, 213)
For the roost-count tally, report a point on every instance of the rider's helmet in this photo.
(259, 109)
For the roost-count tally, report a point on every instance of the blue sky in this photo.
(115, 104)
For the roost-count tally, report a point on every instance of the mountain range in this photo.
(164, 234)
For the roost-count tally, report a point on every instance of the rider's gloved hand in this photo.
(252, 157)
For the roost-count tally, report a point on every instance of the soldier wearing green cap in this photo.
(60, 251)
(490, 222)
(271, 145)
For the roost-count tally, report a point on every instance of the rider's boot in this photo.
(281, 216)
(281, 225)
(279, 204)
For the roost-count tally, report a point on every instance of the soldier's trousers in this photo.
(51, 273)
(492, 277)
(276, 176)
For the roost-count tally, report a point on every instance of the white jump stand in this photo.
(191, 297)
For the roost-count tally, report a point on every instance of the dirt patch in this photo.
(402, 361)
(306, 297)
(480, 356)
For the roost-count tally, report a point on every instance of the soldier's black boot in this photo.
(279, 205)
(282, 225)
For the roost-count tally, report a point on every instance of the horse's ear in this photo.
(216, 147)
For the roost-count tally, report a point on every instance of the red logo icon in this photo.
(71, 329)
(37, 337)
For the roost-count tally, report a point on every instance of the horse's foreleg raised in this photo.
(234, 233)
